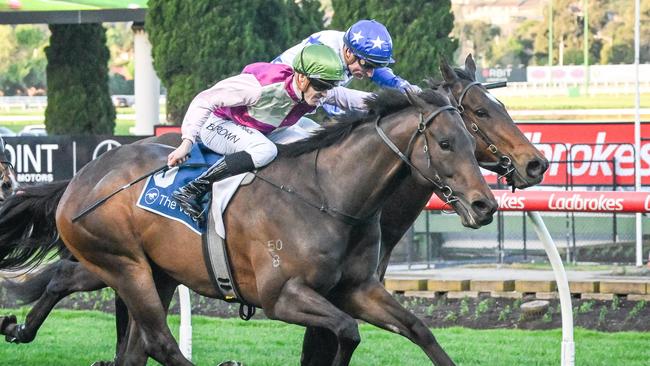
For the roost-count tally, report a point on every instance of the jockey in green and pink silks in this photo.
(234, 117)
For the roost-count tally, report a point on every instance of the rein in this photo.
(323, 207)
(352, 220)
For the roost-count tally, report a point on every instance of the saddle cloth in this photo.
(156, 195)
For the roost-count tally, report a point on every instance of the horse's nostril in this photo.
(484, 207)
(536, 167)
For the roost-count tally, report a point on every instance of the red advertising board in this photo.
(583, 154)
(163, 129)
(563, 201)
(589, 153)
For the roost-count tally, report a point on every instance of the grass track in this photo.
(79, 337)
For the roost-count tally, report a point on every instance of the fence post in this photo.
(185, 331)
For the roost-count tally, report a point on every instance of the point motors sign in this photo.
(51, 158)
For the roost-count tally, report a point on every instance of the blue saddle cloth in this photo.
(156, 196)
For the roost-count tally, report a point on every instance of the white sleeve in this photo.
(289, 55)
(348, 99)
(238, 90)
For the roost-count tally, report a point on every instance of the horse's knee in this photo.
(348, 331)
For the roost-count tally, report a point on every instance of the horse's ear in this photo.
(447, 71)
(416, 101)
(470, 66)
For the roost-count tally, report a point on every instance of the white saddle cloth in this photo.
(223, 190)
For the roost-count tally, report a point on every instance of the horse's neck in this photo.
(359, 173)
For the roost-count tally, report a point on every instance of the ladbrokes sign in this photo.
(46, 159)
(589, 153)
(576, 201)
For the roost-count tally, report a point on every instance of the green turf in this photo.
(79, 337)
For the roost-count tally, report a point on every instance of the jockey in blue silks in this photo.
(366, 50)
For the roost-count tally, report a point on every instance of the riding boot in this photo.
(190, 196)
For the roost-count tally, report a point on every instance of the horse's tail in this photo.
(28, 225)
(33, 286)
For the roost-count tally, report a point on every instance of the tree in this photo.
(22, 60)
(78, 101)
(618, 36)
(420, 30)
(482, 36)
(305, 17)
(195, 45)
(610, 33)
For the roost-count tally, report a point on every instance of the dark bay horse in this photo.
(65, 276)
(321, 252)
(8, 181)
(501, 147)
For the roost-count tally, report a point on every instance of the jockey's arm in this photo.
(386, 78)
(238, 90)
(348, 99)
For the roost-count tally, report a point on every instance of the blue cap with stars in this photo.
(370, 40)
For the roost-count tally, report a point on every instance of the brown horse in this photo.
(501, 147)
(66, 276)
(321, 251)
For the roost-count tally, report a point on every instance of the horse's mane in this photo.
(383, 103)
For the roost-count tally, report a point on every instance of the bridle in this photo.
(436, 181)
(504, 161)
(352, 220)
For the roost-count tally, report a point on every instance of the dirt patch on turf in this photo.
(479, 313)
(490, 313)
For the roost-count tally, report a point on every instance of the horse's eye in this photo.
(445, 145)
(482, 113)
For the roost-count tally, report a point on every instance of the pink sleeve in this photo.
(243, 89)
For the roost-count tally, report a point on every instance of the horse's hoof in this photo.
(103, 363)
(231, 363)
(6, 322)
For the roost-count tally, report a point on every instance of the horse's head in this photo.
(8, 182)
(501, 147)
(442, 155)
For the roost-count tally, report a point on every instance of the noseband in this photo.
(437, 182)
(504, 161)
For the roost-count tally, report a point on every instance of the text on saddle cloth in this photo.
(157, 197)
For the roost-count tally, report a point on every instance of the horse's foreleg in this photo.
(131, 345)
(299, 304)
(69, 277)
(372, 303)
(319, 347)
(121, 322)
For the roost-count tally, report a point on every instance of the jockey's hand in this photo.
(180, 155)
(414, 89)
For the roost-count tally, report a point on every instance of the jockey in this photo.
(366, 50)
(234, 116)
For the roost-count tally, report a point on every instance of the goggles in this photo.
(369, 65)
(321, 85)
